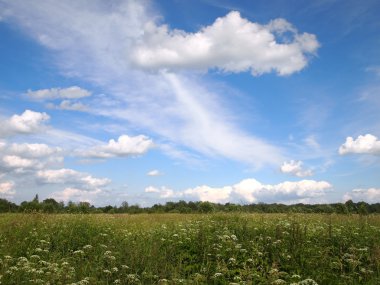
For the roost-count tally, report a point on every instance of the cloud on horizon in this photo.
(77, 195)
(71, 177)
(6, 189)
(251, 191)
(370, 195)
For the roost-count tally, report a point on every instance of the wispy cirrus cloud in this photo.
(375, 69)
(73, 92)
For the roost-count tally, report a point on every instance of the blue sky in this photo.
(222, 101)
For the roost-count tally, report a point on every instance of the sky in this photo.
(204, 100)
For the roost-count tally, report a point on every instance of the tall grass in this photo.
(189, 249)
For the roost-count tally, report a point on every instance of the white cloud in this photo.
(206, 193)
(93, 182)
(35, 150)
(58, 175)
(152, 189)
(71, 177)
(124, 146)
(70, 94)
(249, 189)
(303, 188)
(27, 123)
(370, 195)
(231, 44)
(32, 165)
(77, 195)
(6, 189)
(28, 157)
(14, 161)
(367, 144)
(68, 105)
(73, 92)
(295, 168)
(154, 172)
(253, 191)
(163, 192)
(79, 186)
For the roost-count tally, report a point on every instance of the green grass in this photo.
(189, 249)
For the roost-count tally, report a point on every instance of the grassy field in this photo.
(189, 249)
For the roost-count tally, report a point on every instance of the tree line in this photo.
(52, 206)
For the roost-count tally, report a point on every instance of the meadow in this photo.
(230, 249)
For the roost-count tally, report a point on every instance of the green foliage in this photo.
(206, 207)
(219, 248)
(52, 206)
(6, 206)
